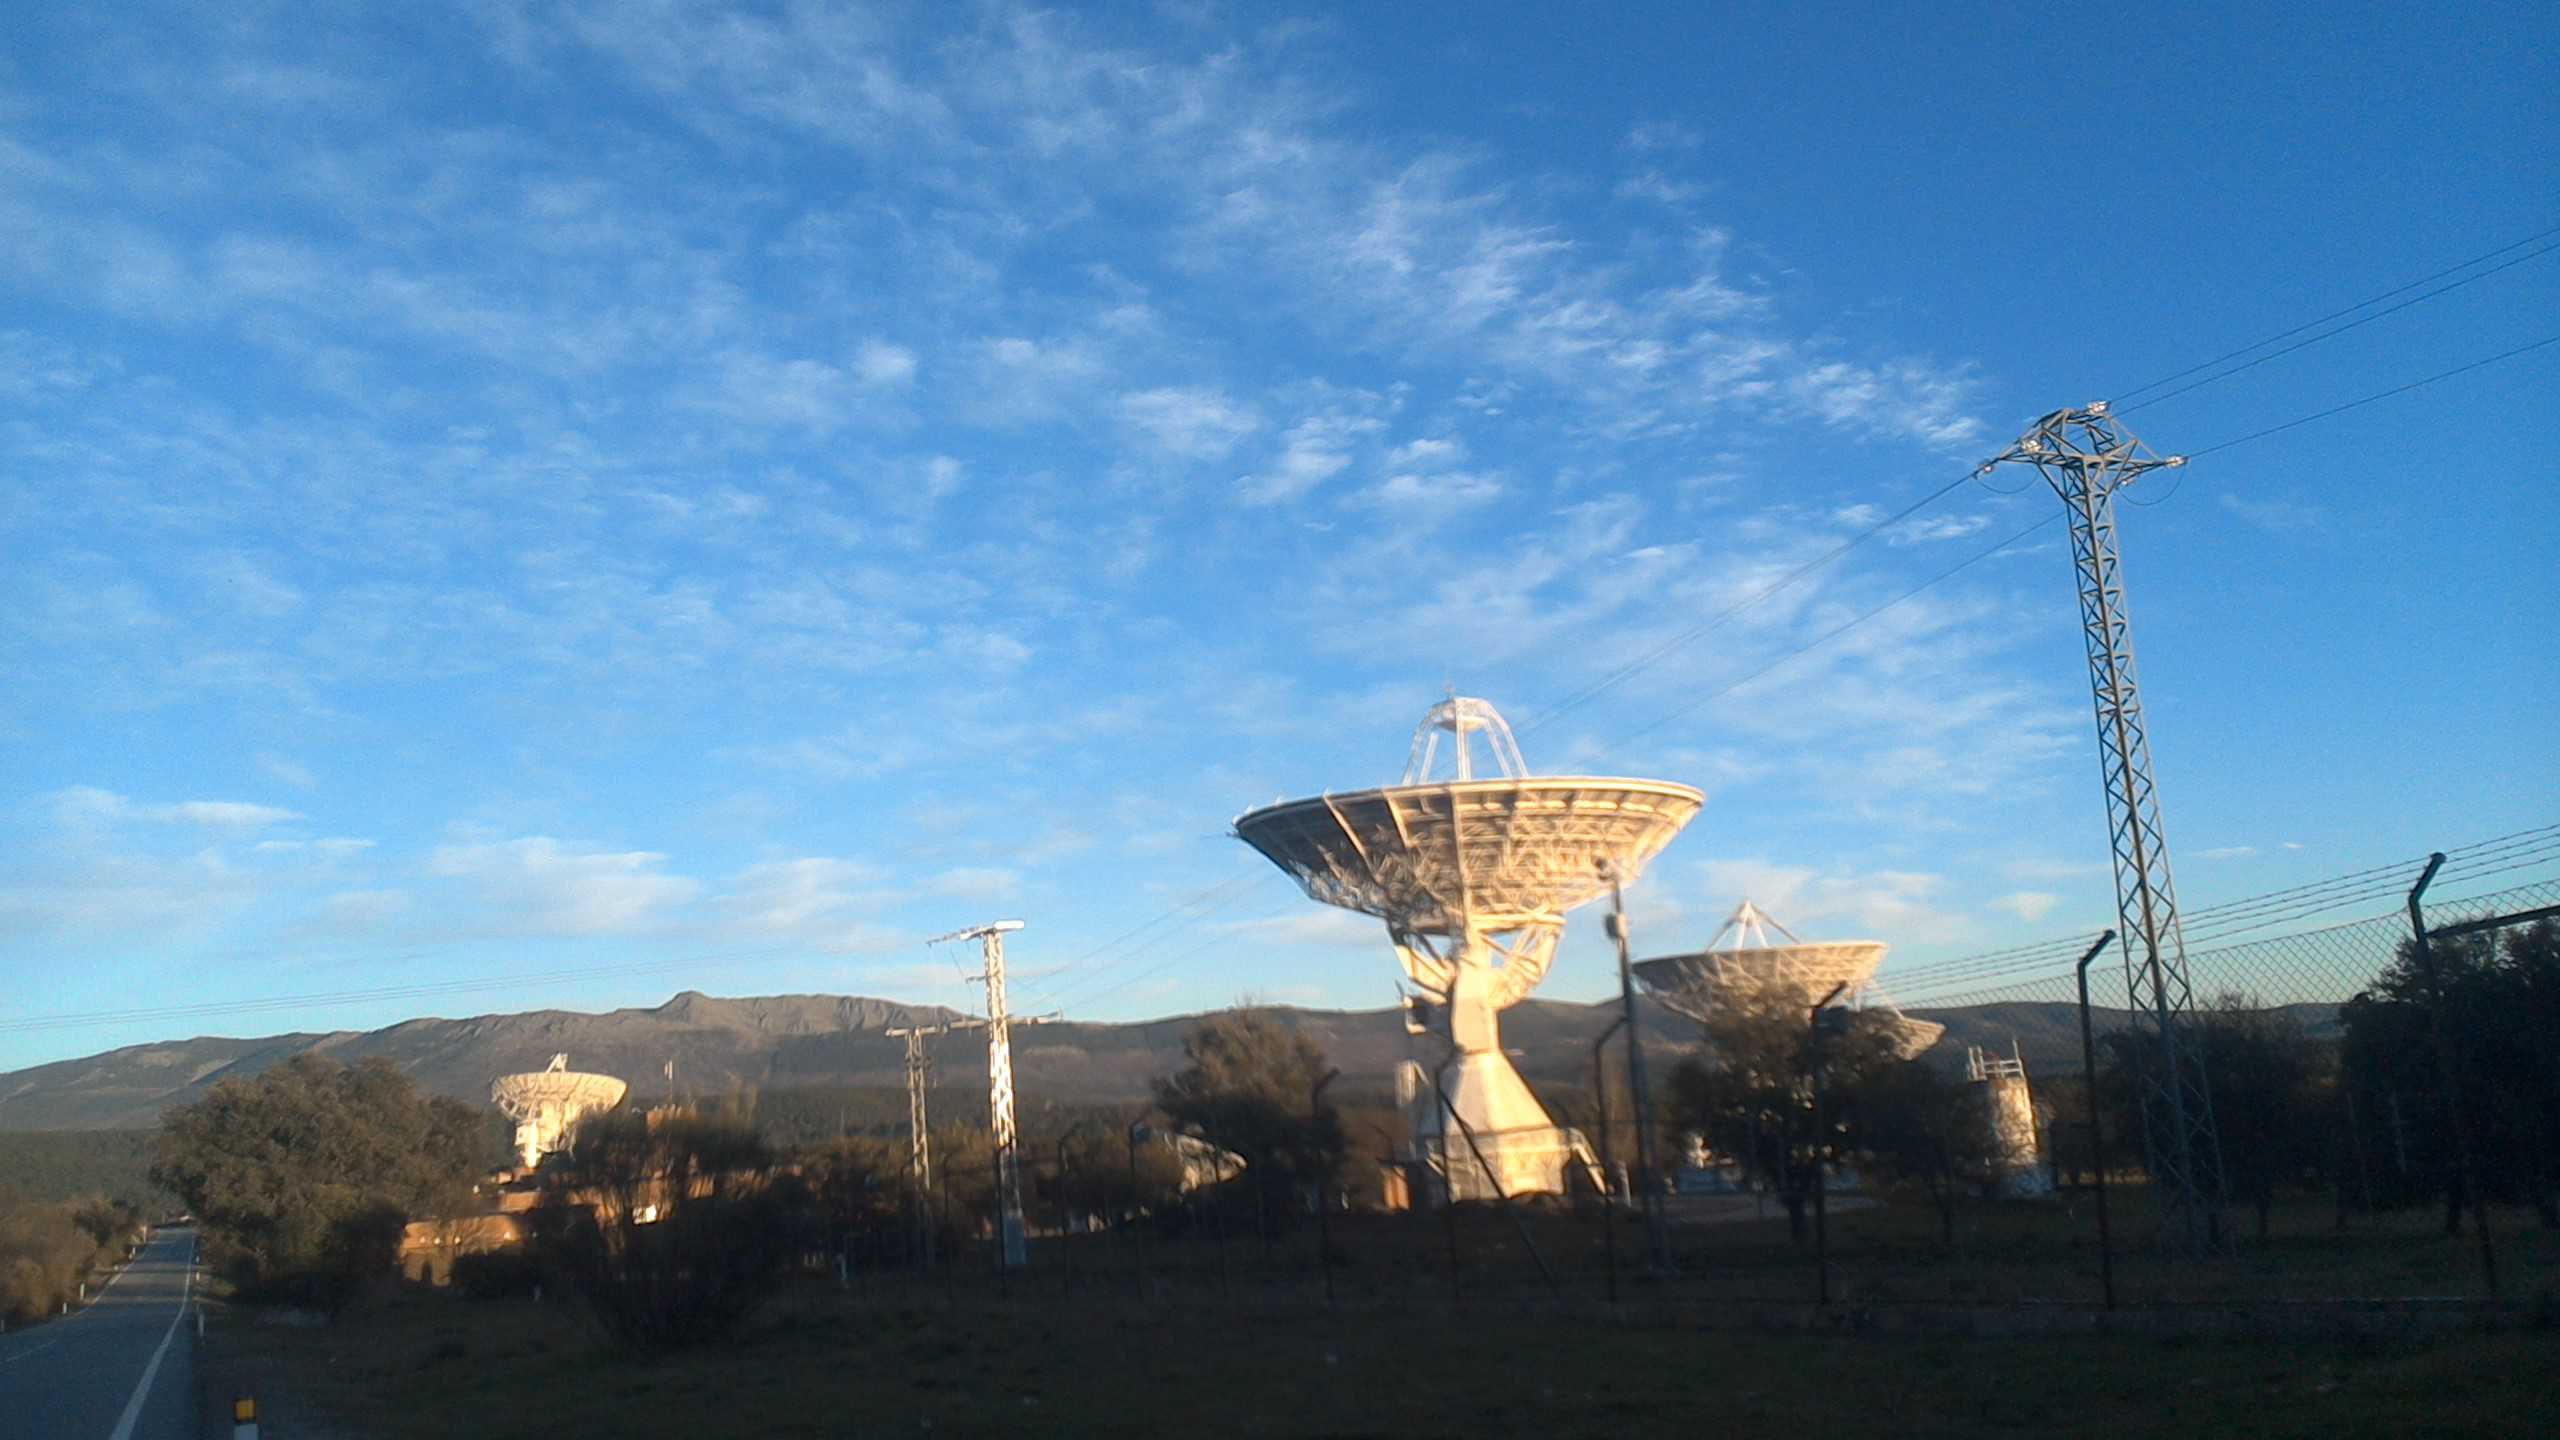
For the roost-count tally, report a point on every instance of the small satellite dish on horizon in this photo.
(545, 1103)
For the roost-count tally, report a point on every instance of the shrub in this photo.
(496, 1274)
(672, 1233)
(47, 1250)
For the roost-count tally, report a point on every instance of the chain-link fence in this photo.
(2388, 1127)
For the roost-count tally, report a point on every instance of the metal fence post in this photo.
(1066, 1210)
(1657, 1220)
(2097, 1135)
(1138, 1235)
(1608, 1157)
(1821, 1207)
(2445, 1072)
(1324, 1205)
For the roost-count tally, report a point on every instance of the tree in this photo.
(1751, 1092)
(1248, 1087)
(2501, 1003)
(673, 1229)
(2272, 1092)
(2275, 1099)
(1918, 1125)
(291, 1173)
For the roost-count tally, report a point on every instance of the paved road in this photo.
(123, 1369)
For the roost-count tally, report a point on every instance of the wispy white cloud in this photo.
(1655, 136)
(1903, 906)
(1447, 490)
(1188, 423)
(1338, 929)
(87, 806)
(2028, 905)
(829, 903)
(1661, 189)
(2278, 517)
(335, 847)
(975, 882)
(541, 886)
(1313, 451)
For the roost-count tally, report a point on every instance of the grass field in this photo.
(431, 1364)
(1232, 1336)
(2037, 1252)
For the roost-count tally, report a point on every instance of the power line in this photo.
(2048, 981)
(2217, 924)
(2124, 396)
(1168, 963)
(2308, 341)
(1078, 991)
(2479, 860)
(2377, 395)
(2251, 912)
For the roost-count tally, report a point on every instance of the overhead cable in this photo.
(2217, 378)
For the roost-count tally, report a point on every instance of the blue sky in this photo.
(630, 497)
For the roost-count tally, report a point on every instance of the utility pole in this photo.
(1657, 1230)
(919, 1135)
(2087, 457)
(1012, 1247)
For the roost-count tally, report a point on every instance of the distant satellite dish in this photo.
(1700, 984)
(546, 1103)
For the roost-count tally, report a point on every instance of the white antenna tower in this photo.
(2087, 457)
(1013, 1247)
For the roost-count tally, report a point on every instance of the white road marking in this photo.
(31, 1350)
(150, 1372)
(93, 1303)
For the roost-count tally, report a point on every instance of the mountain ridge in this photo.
(772, 1042)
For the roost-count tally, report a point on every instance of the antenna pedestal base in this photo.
(1523, 1152)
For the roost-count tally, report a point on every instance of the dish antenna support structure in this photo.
(1473, 874)
(1013, 1246)
(2087, 456)
(545, 1103)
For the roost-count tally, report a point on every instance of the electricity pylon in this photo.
(919, 1141)
(2087, 457)
(1013, 1248)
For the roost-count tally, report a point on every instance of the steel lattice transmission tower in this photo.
(2086, 456)
(1013, 1250)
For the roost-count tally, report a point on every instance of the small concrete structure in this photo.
(2009, 1109)
(428, 1248)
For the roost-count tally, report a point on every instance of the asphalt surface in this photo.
(123, 1369)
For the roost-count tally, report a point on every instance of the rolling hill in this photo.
(780, 1042)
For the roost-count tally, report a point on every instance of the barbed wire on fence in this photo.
(2327, 965)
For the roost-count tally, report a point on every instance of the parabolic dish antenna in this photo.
(545, 1103)
(1740, 963)
(1473, 876)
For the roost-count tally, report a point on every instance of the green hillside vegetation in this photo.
(53, 1165)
